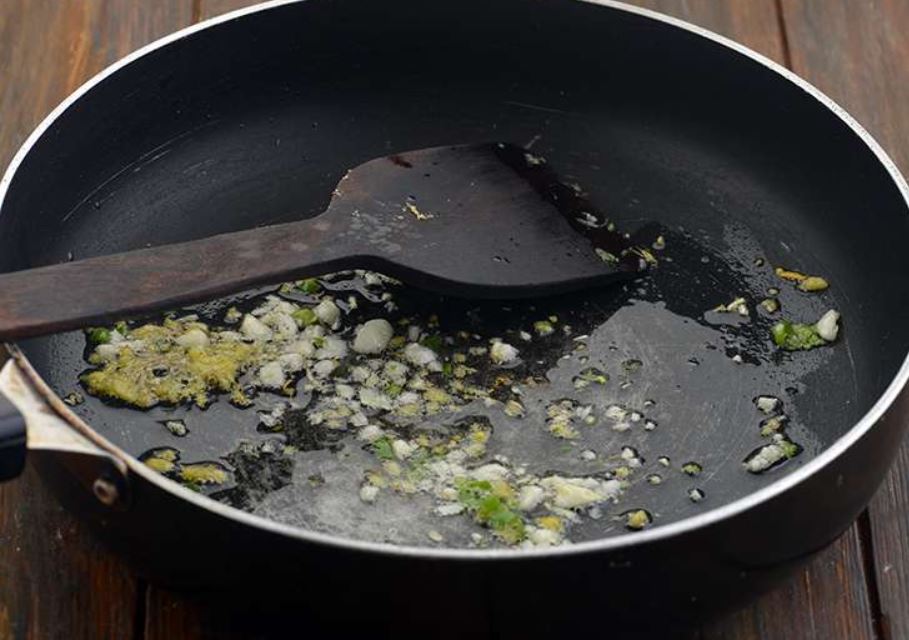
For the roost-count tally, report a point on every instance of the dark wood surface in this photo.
(55, 582)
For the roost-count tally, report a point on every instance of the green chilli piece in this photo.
(491, 510)
(382, 449)
(793, 336)
(433, 342)
(98, 335)
(304, 317)
(310, 286)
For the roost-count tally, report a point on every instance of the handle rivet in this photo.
(106, 491)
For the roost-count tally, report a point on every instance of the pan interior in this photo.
(254, 122)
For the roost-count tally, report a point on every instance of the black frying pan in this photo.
(252, 119)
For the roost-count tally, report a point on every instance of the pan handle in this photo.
(36, 425)
(12, 439)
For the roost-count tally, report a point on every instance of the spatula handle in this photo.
(96, 290)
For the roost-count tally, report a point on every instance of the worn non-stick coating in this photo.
(202, 142)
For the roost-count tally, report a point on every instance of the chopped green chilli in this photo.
(793, 336)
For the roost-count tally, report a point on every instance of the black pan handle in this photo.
(12, 440)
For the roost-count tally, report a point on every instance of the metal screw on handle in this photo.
(106, 491)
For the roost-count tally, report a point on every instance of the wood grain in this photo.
(55, 580)
(170, 616)
(50, 47)
(211, 8)
(827, 600)
(867, 73)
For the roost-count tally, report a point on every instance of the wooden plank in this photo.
(866, 72)
(889, 529)
(55, 580)
(856, 52)
(49, 48)
(828, 599)
(171, 617)
(212, 8)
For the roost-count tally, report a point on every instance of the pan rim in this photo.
(618, 542)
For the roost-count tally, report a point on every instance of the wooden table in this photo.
(55, 581)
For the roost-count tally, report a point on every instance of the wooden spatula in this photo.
(486, 221)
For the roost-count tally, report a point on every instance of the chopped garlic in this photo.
(193, 338)
(738, 306)
(572, 496)
(419, 355)
(255, 329)
(323, 368)
(769, 455)
(373, 336)
(374, 399)
(530, 497)
(332, 349)
(502, 353)
(452, 509)
(291, 362)
(541, 537)
(369, 493)
(767, 404)
(328, 313)
(107, 351)
(490, 472)
(616, 412)
(370, 433)
(402, 449)
(271, 375)
(574, 493)
(606, 256)
(827, 326)
(176, 427)
(282, 324)
(514, 409)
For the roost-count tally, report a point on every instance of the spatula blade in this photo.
(488, 220)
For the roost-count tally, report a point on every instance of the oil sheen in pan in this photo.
(674, 365)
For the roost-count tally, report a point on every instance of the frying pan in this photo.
(251, 118)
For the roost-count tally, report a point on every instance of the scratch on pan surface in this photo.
(537, 107)
(146, 158)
